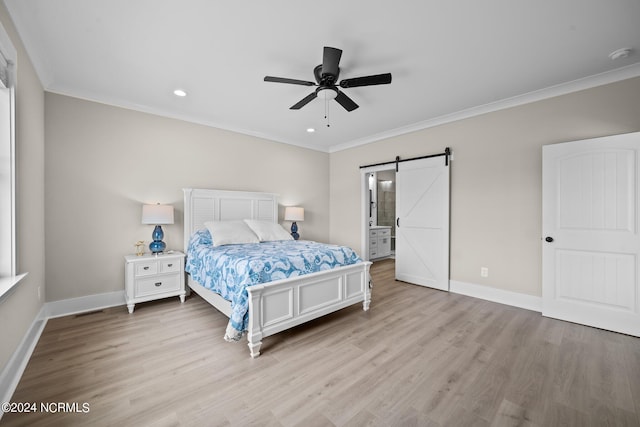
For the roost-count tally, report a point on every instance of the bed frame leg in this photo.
(367, 294)
(367, 301)
(254, 348)
(254, 332)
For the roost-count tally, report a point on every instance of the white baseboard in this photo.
(70, 306)
(528, 302)
(14, 369)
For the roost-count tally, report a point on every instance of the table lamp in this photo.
(157, 215)
(294, 213)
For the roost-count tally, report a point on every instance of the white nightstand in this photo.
(149, 277)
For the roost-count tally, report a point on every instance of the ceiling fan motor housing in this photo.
(324, 79)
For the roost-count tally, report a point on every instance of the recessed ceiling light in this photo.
(620, 53)
(179, 92)
(311, 130)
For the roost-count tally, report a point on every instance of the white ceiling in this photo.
(448, 59)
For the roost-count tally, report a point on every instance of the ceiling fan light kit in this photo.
(326, 76)
(327, 93)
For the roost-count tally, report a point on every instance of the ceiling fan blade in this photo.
(331, 61)
(304, 101)
(346, 102)
(378, 79)
(290, 81)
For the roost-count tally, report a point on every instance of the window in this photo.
(7, 258)
(7, 165)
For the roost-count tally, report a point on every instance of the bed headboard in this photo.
(202, 205)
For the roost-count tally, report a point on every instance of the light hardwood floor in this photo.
(419, 357)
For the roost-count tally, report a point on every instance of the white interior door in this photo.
(591, 245)
(422, 224)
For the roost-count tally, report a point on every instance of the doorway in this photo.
(386, 205)
(421, 223)
(381, 214)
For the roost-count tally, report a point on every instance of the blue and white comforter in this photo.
(229, 269)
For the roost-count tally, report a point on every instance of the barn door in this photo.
(591, 245)
(422, 223)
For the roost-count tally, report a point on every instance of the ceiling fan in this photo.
(326, 75)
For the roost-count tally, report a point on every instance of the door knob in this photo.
(548, 239)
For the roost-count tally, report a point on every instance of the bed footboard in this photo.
(283, 304)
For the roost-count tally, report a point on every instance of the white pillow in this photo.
(268, 231)
(230, 232)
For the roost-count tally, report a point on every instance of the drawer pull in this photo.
(170, 265)
(146, 268)
(158, 284)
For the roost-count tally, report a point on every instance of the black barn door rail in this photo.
(446, 154)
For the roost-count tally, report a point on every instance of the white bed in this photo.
(282, 304)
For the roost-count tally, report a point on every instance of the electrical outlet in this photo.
(484, 272)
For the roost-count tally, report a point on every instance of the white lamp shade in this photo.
(157, 214)
(293, 213)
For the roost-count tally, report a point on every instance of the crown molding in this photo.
(608, 77)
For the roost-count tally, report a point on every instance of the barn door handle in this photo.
(398, 222)
(548, 239)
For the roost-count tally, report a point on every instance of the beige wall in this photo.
(495, 178)
(103, 163)
(19, 309)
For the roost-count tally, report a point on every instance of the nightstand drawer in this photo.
(169, 266)
(385, 232)
(157, 285)
(146, 268)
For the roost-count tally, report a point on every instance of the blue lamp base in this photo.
(294, 231)
(157, 245)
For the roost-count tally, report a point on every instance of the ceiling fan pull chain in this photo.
(326, 111)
